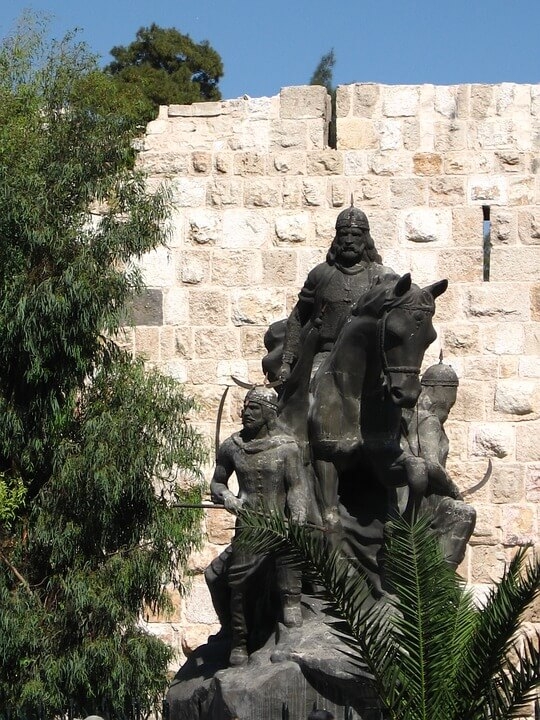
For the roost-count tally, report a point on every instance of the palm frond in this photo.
(494, 636)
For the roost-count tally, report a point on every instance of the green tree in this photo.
(95, 451)
(324, 72)
(433, 654)
(163, 66)
(324, 75)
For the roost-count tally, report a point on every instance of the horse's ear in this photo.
(403, 285)
(437, 288)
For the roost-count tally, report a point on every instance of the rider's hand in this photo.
(232, 503)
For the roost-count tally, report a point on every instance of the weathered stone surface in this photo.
(400, 100)
(493, 440)
(427, 163)
(356, 134)
(527, 445)
(236, 267)
(292, 228)
(195, 267)
(515, 397)
(497, 301)
(304, 102)
(252, 307)
(427, 226)
(147, 308)
(326, 162)
(518, 525)
(208, 308)
(529, 227)
(244, 229)
(507, 482)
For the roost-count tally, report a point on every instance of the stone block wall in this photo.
(255, 192)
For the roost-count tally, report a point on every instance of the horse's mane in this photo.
(381, 297)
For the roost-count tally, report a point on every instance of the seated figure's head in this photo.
(439, 390)
(260, 409)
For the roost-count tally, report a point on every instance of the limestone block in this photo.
(450, 135)
(262, 107)
(200, 372)
(529, 227)
(124, 337)
(518, 525)
(527, 445)
(317, 134)
(204, 226)
(503, 301)
(198, 606)
(201, 162)
(373, 191)
(445, 101)
(407, 192)
(195, 267)
(176, 110)
(355, 162)
(147, 308)
(516, 263)
(529, 366)
(250, 136)
(449, 305)
(467, 228)
(468, 163)
(461, 339)
(532, 338)
(508, 366)
(249, 163)
(447, 190)
(365, 99)
(504, 339)
(417, 135)
(292, 228)
(303, 102)
(219, 526)
(532, 483)
(291, 192)
(400, 100)
(207, 109)
(521, 190)
(513, 161)
(516, 397)
(233, 268)
(314, 192)
(208, 307)
(339, 192)
(157, 127)
(182, 341)
(462, 265)
(257, 307)
(288, 134)
(487, 530)
(245, 229)
(176, 307)
(535, 99)
(507, 482)
(223, 162)
(307, 259)
(157, 267)
(481, 101)
(188, 192)
(493, 440)
(252, 345)
(535, 302)
(220, 343)
(225, 192)
(498, 134)
(467, 473)
(427, 164)
(160, 162)
(208, 396)
(503, 229)
(487, 563)
(471, 401)
(511, 99)
(390, 163)
(146, 343)
(344, 100)
(290, 163)
(326, 162)
(262, 192)
(480, 367)
(389, 134)
(424, 225)
(383, 223)
(279, 267)
(177, 369)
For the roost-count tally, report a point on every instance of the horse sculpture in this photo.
(356, 396)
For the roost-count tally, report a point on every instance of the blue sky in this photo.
(268, 45)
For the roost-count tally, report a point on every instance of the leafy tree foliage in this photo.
(94, 449)
(432, 653)
(324, 72)
(164, 66)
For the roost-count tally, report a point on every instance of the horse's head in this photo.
(404, 314)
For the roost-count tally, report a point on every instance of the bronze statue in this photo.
(271, 474)
(453, 519)
(330, 291)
